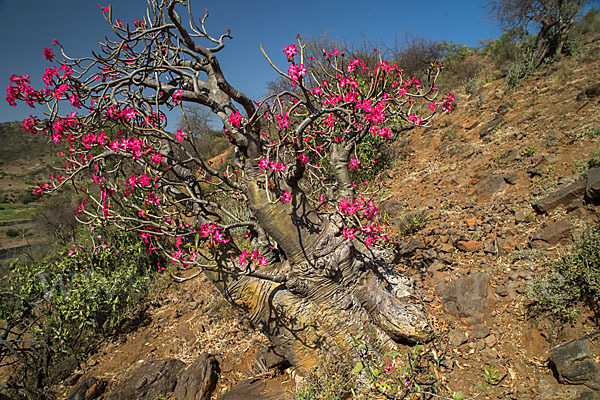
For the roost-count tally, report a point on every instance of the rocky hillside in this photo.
(476, 205)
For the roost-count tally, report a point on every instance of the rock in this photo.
(392, 208)
(72, 380)
(592, 188)
(95, 390)
(268, 358)
(562, 197)
(489, 247)
(511, 178)
(149, 381)
(541, 167)
(590, 91)
(446, 248)
(456, 338)
(198, 381)
(491, 341)
(63, 369)
(573, 363)
(467, 297)
(480, 331)
(551, 233)
(87, 389)
(469, 245)
(503, 108)
(489, 128)
(489, 186)
(407, 248)
(248, 390)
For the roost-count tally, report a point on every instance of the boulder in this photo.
(199, 380)
(87, 389)
(551, 233)
(149, 381)
(489, 186)
(592, 188)
(573, 363)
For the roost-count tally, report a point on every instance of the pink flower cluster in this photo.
(266, 165)
(248, 258)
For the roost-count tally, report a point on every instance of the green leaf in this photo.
(458, 396)
(357, 368)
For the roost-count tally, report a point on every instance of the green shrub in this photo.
(521, 69)
(412, 222)
(12, 233)
(574, 277)
(92, 289)
(508, 47)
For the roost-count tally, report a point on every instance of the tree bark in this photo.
(327, 300)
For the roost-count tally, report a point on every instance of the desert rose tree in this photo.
(283, 230)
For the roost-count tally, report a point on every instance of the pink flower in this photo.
(354, 163)
(415, 119)
(29, 124)
(286, 196)
(296, 71)
(303, 159)
(104, 9)
(448, 103)
(177, 97)
(243, 258)
(180, 135)
(235, 119)
(290, 51)
(263, 165)
(348, 232)
(48, 54)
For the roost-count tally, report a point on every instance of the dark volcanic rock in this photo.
(249, 390)
(551, 233)
(573, 364)
(592, 188)
(87, 389)
(199, 380)
(562, 197)
(149, 381)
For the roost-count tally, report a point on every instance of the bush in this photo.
(12, 233)
(521, 69)
(63, 306)
(412, 222)
(574, 277)
(508, 47)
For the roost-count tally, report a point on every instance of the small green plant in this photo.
(582, 166)
(491, 374)
(528, 151)
(12, 233)
(573, 278)
(412, 222)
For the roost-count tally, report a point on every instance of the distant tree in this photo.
(552, 18)
(196, 120)
(285, 231)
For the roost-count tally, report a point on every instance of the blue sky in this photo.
(27, 26)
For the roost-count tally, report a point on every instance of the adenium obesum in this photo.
(117, 150)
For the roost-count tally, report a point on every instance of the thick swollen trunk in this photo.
(329, 297)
